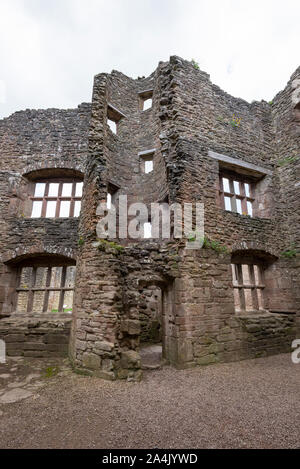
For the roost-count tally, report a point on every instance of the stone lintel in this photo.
(147, 152)
(256, 170)
(115, 113)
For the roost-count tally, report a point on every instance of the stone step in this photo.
(152, 367)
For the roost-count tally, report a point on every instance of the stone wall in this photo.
(286, 129)
(33, 145)
(199, 324)
(36, 337)
(191, 119)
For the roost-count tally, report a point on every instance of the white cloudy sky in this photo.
(51, 49)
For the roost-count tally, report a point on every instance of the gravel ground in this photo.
(251, 404)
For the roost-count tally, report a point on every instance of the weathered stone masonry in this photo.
(36, 144)
(196, 132)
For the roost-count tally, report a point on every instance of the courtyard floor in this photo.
(250, 404)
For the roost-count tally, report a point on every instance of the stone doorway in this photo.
(150, 315)
(156, 313)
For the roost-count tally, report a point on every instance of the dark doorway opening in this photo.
(150, 313)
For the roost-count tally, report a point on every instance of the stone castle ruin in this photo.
(171, 137)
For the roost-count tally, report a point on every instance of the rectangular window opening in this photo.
(53, 189)
(111, 196)
(113, 118)
(147, 162)
(46, 289)
(248, 287)
(146, 100)
(39, 189)
(148, 166)
(64, 211)
(36, 209)
(236, 193)
(227, 201)
(77, 208)
(112, 125)
(59, 199)
(239, 206)
(51, 209)
(147, 104)
(108, 201)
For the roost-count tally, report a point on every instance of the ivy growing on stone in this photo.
(287, 160)
(209, 244)
(290, 253)
(81, 241)
(103, 244)
(195, 64)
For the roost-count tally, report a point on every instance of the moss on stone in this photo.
(103, 245)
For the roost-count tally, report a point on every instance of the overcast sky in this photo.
(51, 49)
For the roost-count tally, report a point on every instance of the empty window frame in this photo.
(56, 198)
(112, 191)
(147, 161)
(248, 285)
(45, 289)
(112, 125)
(237, 194)
(113, 118)
(146, 100)
(147, 104)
